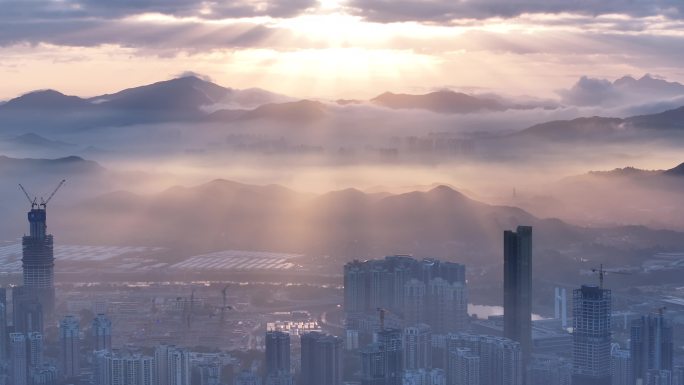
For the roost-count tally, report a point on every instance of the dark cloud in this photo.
(97, 22)
(646, 94)
(114, 9)
(188, 36)
(441, 11)
(590, 92)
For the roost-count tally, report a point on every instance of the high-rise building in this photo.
(321, 359)
(70, 344)
(591, 336)
(278, 367)
(500, 358)
(549, 370)
(44, 375)
(414, 302)
(355, 287)
(518, 288)
(18, 359)
(400, 284)
(391, 342)
(417, 347)
(161, 358)
(447, 306)
(464, 367)
(657, 377)
(27, 311)
(4, 341)
(122, 368)
(102, 332)
(247, 377)
(178, 366)
(382, 361)
(373, 368)
(651, 345)
(621, 366)
(35, 349)
(38, 261)
(424, 377)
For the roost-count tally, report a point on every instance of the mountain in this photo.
(185, 94)
(445, 102)
(676, 171)
(347, 224)
(60, 166)
(668, 124)
(671, 119)
(303, 111)
(626, 195)
(50, 100)
(576, 129)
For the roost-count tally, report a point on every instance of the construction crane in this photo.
(224, 292)
(31, 201)
(44, 202)
(192, 308)
(602, 272)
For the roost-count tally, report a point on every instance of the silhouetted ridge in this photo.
(439, 101)
(185, 93)
(45, 100)
(300, 111)
(677, 171)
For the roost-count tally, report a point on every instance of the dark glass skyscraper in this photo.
(591, 336)
(518, 288)
(38, 260)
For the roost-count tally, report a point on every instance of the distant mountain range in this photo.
(666, 123)
(60, 167)
(346, 224)
(621, 196)
(450, 102)
(196, 100)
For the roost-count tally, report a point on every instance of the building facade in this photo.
(591, 336)
(518, 288)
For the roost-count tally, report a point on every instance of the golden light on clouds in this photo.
(328, 51)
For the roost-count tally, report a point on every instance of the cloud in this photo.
(646, 94)
(188, 35)
(107, 9)
(440, 11)
(185, 74)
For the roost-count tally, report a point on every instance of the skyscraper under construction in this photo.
(38, 260)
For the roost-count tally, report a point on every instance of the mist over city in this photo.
(341, 192)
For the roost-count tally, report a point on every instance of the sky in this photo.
(337, 48)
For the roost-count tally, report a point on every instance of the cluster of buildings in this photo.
(406, 323)
(422, 334)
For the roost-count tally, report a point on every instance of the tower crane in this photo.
(31, 201)
(602, 272)
(224, 292)
(44, 202)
